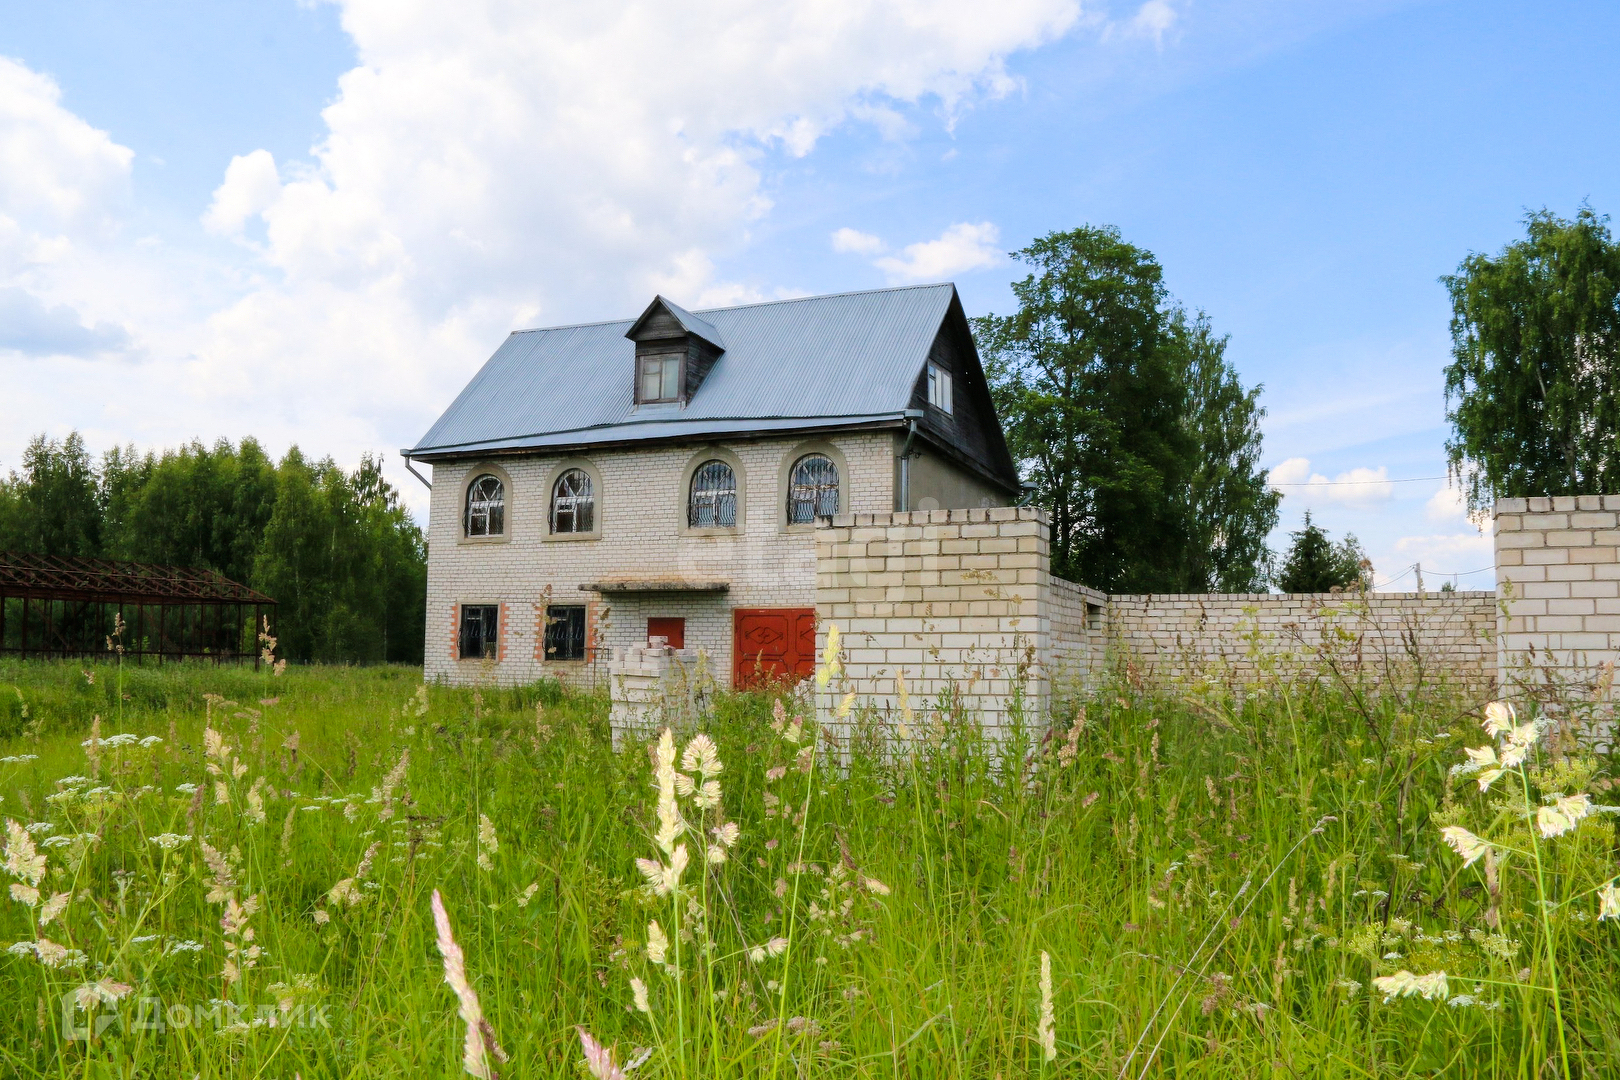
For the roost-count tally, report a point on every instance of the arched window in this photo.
(485, 514)
(812, 489)
(712, 502)
(573, 504)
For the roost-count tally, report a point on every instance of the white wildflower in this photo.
(479, 1041)
(18, 759)
(701, 756)
(169, 841)
(599, 1059)
(669, 814)
(1465, 844)
(1045, 1028)
(105, 992)
(1563, 815)
(1499, 717)
(186, 789)
(53, 907)
(1609, 900)
(1405, 984)
(22, 860)
(657, 943)
(150, 741)
(488, 845)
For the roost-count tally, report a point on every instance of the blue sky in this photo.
(412, 180)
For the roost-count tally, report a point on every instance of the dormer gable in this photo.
(675, 350)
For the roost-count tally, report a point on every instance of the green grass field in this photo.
(1217, 881)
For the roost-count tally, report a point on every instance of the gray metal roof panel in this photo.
(811, 362)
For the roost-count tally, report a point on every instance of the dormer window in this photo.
(939, 388)
(660, 378)
(674, 352)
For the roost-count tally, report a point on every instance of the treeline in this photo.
(335, 549)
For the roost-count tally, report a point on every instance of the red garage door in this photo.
(772, 643)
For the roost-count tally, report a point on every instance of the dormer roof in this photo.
(643, 328)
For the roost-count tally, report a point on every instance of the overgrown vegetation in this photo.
(1220, 883)
(337, 550)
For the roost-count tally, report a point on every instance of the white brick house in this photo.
(597, 484)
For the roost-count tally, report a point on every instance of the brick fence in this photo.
(1558, 566)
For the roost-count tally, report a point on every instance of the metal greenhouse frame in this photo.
(52, 606)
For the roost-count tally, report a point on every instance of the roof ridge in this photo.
(827, 296)
(739, 307)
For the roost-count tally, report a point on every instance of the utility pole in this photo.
(1419, 567)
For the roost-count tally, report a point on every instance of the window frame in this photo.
(716, 497)
(683, 499)
(941, 389)
(554, 477)
(664, 360)
(565, 617)
(784, 480)
(494, 510)
(818, 500)
(478, 471)
(489, 637)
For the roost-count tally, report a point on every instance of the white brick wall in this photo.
(942, 598)
(1176, 634)
(1558, 570)
(640, 510)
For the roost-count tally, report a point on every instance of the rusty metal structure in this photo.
(52, 606)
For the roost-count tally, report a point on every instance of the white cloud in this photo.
(961, 247)
(1154, 19)
(853, 241)
(1446, 505)
(1360, 487)
(251, 186)
(484, 165)
(57, 173)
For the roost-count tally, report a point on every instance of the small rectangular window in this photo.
(660, 378)
(480, 629)
(939, 388)
(565, 632)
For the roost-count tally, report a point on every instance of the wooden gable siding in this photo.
(971, 431)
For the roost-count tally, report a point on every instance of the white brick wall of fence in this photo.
(1558, 567)
(963, 601)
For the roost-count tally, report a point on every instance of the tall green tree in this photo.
(345, 563)
(53, 506)
(1230, 506)
(1314, 563)
(1533, 387)
(1125, 415)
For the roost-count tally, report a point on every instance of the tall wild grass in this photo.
(337, 872)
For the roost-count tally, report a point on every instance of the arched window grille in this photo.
(812, 489)
(712, 502)
(573, 504)
(485, 514)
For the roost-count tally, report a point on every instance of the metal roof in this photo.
(820, 361)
